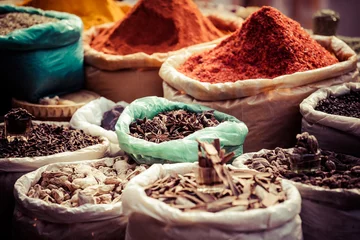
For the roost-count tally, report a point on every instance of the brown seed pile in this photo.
(172, 125)
(44, 140)
(10, 22)
(337, 170)
(75, 185)
(257, 190)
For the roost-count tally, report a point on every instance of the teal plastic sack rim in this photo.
(42, 36)
(231, 132)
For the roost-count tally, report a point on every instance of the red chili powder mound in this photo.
(157, 26)
(268, 45)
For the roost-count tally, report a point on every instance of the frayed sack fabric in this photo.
(37, 219)
(49, 57)
(331, 214)
(333, 132)
(88, 118)
(161, 221)
(269, 107)
(231, 132)
(12, 168)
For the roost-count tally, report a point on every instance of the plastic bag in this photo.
(231, 133)
(333, 132)
(88, 118)
(34, 218)
(161, 221)
(324, 211)
(269, 107)
(48, 57)
(13, 168)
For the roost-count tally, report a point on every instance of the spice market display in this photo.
(179, 119)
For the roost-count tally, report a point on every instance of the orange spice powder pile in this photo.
(268, 45)
(157, 26)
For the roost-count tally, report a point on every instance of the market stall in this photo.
(177, 119)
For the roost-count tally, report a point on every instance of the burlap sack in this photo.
(13, 168)
(269, 107)
(37, 219)
(332, 214)
(333, 132)
(158, 220)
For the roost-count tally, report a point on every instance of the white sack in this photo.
(331, 214)
(53, 221)
(333, 132)
(157, 220)
(12, 168)
(88, 118)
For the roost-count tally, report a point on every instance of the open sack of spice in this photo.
(92, 13)
(98, 118)
(74, 200)
(47, 49)
(209, 200)
(26, 146)
(155, 130)
(332, 115)
(124, 55)
(260, 74)
(328, 183)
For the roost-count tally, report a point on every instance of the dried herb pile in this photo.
(44, 140)
(337, 170)
(10, 22)
(75, 185)
(18, 114)
(110, 117)
(268, 45)
(172, 125)
(347, 105)
(257, 190)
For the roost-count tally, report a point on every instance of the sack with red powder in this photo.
(260, 74)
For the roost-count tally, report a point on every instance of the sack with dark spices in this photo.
(159, 220)
(325, 205)
(337, 129)
(172, 137)
(11, 168)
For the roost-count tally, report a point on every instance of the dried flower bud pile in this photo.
(10, 22)
(75, 185)
(337, 170)
(44, 140)
(172, 125)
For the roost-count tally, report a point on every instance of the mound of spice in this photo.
(268, 45)
(347, 105)
(172, 125)
(10, 22)
(75, 185)
(92, 12)
(157, 26)
(45, 139)
(336, 170)
(241, 190)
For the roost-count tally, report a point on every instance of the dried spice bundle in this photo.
(76, 185)
(45, 139)
(347, 105)
(157, 26)
(268, 45)
(336, 170)
(257, 190)
(172, 125)
(10, 22)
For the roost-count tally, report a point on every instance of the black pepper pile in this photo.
(44, 140)
(10, 22)
(337, 170)
(347, 105)
(172, 125)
